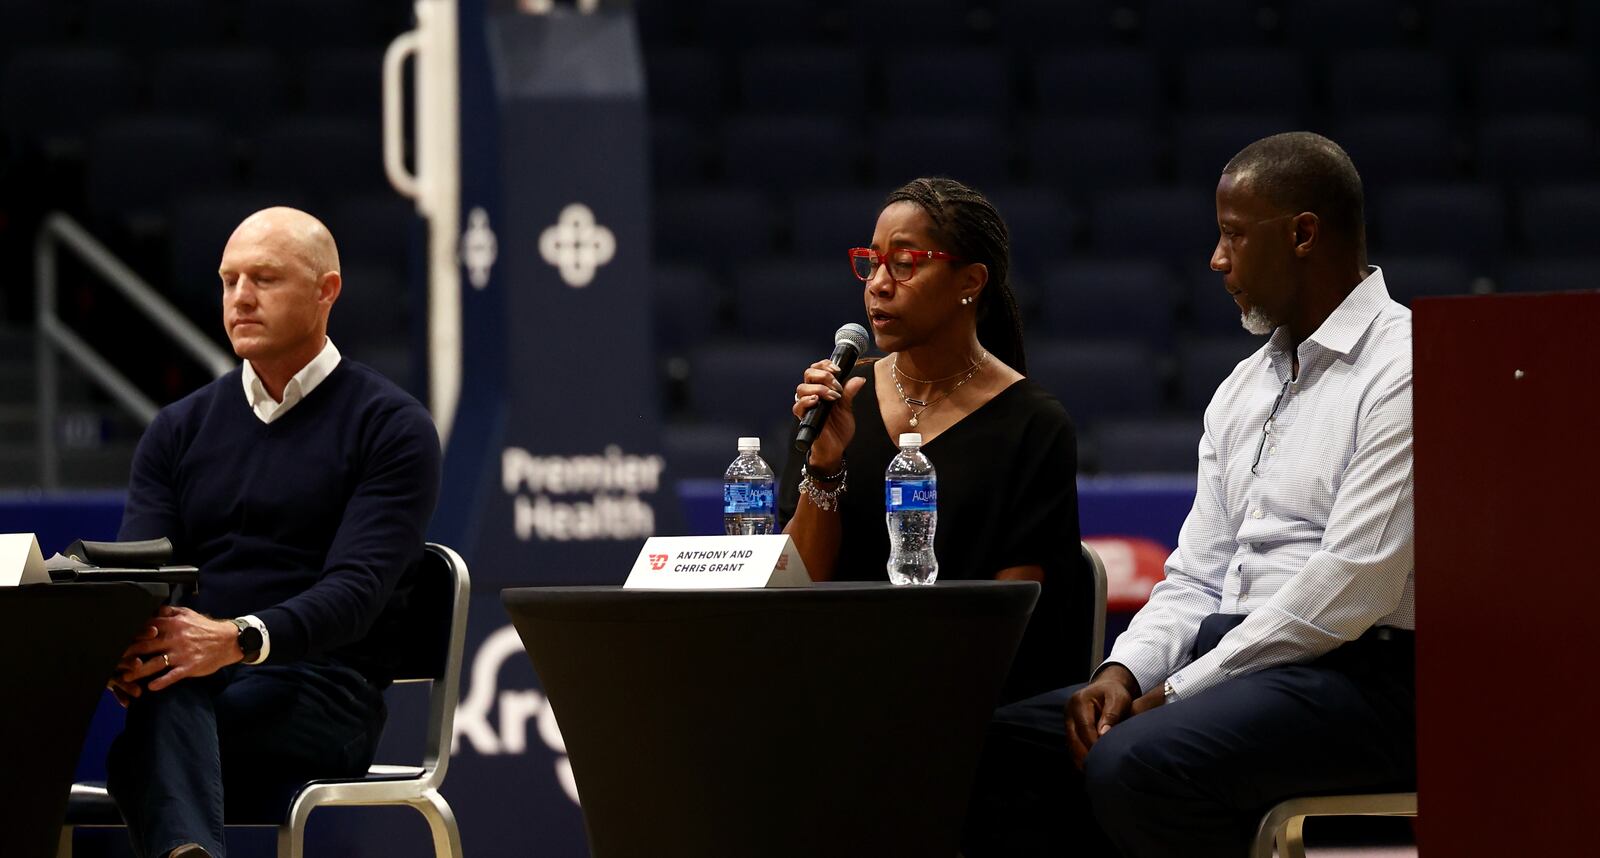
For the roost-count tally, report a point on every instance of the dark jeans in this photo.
(254, 735)
(1195, 777)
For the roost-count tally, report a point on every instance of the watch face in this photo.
(249, 638)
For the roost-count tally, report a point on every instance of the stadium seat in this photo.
(975, 151)
(776, 23)
(1106, 83)
(935, 22)
(52, 98)
(1245, 82)
(1042, 226)
(703, 450)
(1028, 26)
(679, 152)
(1318, 27)
(712, 228)
(957, 82)
(1149, 446)
(140, 26)
(1203, 362)
(684, 82)
(1468, 28)
(1085, 157)
(826, 224)
(31, 24)
(687, 305)
(137, 167)
(1570, 274)
(344, 84)
(1368, 83)
(1178, 225)
(1524, 82)
(1467, 221)
(1206, 142)
(748, 386)
(1131, 299)
(324, 156)
(1393, 149)
(1175, 26)
(374, 314)
(304, 26)
(1559, 221)
(243, 89)
(804, 300)
(1212, 312)
(786, 153)
(1530, 150)
(1098, 379)
(201, 224)
(1412, 277)
(374, 230)
(809, 81)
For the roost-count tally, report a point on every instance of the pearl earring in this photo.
(966, 301)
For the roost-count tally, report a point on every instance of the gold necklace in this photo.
(917, 412)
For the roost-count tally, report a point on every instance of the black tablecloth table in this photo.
(62, 642)
(840, 719)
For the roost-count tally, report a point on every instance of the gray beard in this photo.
(1256, 322)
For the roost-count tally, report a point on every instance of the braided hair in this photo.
(967, 223)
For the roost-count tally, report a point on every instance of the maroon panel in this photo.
(1508, 475)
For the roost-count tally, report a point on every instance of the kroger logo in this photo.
(513, 709)
(576, 245)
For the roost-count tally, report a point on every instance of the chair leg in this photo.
(1291, 838)
(292, 833)
(441, 821)
(64, 844)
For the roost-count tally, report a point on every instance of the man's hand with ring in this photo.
(186, 644)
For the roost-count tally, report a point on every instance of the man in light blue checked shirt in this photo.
(1276, 658)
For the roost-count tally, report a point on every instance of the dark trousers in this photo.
(254, 735)
(1194, 777)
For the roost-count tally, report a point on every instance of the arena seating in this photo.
(778, 126)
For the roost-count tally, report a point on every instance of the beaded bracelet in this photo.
(824, 499)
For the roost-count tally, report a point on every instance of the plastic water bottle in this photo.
(749, 500)
(911, 505)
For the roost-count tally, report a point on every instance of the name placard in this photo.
(20, 561)
(718, 562)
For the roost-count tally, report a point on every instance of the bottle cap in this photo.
(911, 439)
(749, 445)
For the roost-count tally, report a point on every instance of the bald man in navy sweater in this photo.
(300, 484)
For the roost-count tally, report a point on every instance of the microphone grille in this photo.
(853, 334)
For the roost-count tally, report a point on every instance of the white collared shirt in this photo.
(299, 387)
(1314, 540)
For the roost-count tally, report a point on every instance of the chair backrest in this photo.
(435, 619)
(1097, 642)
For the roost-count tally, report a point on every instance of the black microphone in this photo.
(848, 344)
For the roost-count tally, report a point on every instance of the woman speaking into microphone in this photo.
(941, 309)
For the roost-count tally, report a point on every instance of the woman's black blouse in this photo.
(1008, 497)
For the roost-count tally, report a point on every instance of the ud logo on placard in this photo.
(576, 245)
(479, 248)
(658, 562)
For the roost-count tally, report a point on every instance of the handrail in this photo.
(60, 230)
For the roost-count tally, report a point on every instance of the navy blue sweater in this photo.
(309, 522)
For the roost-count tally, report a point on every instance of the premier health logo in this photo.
(576, 245)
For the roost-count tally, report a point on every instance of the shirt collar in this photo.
(1345, 326)
(300, 385)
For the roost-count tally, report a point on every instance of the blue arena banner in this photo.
(552, 473)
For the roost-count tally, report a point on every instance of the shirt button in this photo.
(1273, 449)
(1256, 513)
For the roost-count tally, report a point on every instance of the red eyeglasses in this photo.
(864, 261)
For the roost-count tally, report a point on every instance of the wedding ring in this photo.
(165, 661)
